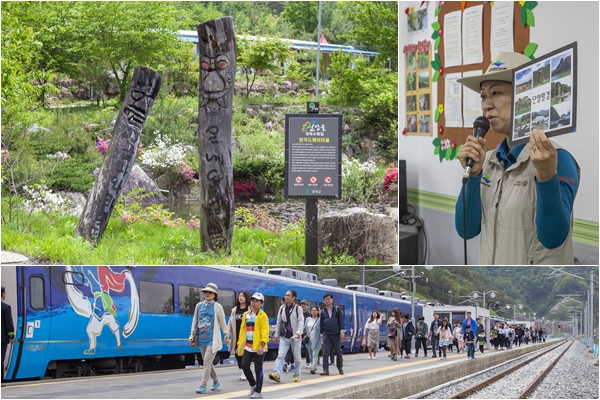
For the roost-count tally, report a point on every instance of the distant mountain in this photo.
(531, 286)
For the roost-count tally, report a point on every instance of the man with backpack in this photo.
(290, 326)
(333, 326)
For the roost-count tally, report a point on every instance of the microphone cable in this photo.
(464, 218)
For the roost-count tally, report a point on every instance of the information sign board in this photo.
(544, 95)
(313, 155)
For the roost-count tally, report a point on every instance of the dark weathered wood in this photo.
(217, 75)
(120, 155)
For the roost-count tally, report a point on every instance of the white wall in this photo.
(556, 24)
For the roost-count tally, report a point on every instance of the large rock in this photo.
(360, 233)
(66, 93)
(139, 179)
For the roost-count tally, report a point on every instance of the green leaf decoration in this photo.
(435, 65)
(437, 43)
(437, 110)
(530, 19)
(453, 154)
(437, 141)
(442, 155)
(435, 34)
(436, 150)
(436, 76)
(524, 16)
(438, 10)
(530, 5)
(437, 58)
(436, 25)
(530, 49)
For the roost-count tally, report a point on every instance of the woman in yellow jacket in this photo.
(252, 343)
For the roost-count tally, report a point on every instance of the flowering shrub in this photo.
(171, 158)
(164, 154)
(102, 145)
(244, 188)
(5, 155)
(57, 155)
(186, 172)
(391, 176)
(39, 198)
(359, 181)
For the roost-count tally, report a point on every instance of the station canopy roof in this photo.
(192, 36)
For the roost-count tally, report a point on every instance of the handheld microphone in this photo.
(480, 127)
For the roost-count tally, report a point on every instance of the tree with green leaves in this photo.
(374, 23)
(128, 34)
(260, 56)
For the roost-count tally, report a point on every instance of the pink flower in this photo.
(102, 145)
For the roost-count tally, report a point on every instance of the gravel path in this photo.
(573, 377)
(454, 389)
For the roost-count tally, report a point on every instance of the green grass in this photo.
(51, 238)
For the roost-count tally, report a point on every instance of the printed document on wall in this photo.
(452, 42)
(473, 35)
(453, 101)
(472, 102)
(501, 36)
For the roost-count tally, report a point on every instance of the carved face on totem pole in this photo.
(217, 65)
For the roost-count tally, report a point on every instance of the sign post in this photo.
(313, 167)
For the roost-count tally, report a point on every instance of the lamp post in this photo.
(475, 294)
(514, 307)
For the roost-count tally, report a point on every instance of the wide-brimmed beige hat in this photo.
(499, 70)
(211, 287)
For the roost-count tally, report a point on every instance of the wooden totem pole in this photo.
(217, 75)
(120, 155)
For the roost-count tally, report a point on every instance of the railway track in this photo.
(485, 384)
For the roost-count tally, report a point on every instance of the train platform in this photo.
(363, 379)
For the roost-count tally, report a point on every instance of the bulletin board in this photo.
(521, 39)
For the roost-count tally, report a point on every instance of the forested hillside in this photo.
(533, 287)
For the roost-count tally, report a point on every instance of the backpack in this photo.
(283, 325)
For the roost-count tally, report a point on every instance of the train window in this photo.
(227, 300)
(189, 297)
(383, 314)
(341, 308)
(73, 278)
(156, 298)
(271, 306)
(37, 293)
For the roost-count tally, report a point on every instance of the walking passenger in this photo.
(435, 337)
(422, 332)
(481, 339)
(312, 326)
(333, 326)
(408, 331)
(306, 312)
(459, 338)
(290, 325)
(372, 326)
(394, 329)
(445, 333)
(252, 344)
(233, 328)
(469, 339)
(209, 320)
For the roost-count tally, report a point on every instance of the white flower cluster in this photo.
(40, 198)
(354, 166)
(58, 154)
(164, 154)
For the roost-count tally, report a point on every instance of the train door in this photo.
(9, 281)
(33, 325)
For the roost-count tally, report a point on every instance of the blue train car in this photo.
(90, 320)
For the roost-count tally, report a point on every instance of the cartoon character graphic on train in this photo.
(89, 291)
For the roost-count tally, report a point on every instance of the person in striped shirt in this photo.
(252, 344)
